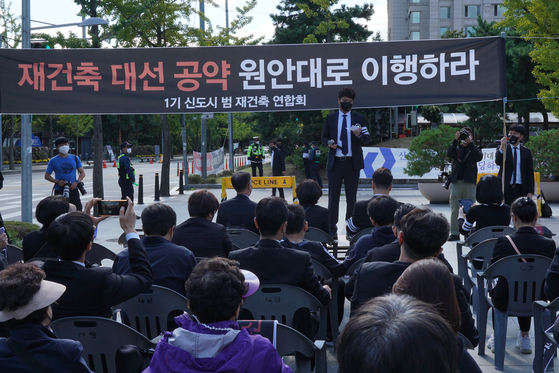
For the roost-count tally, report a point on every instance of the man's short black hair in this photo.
(308, 191)
(279, 139)
(202, 203)
(518, 128)
(240, 181)
(525, 209)
(157, 219)
(489, 190)
(400, 213)
(60, 141)
(69, 235)
(50, 208)
(273, 142)
(271, 213)
(215, 289)
(425, 232)
(381, 209)
(382, 177)
(394, 334)
(296, 219)
(346, 92)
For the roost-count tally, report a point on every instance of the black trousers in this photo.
(308, 171)
(513, 192)
(315, 173)
(258, 165)
(74, 197)
(342, 170)
(126, 188)
(280, 189)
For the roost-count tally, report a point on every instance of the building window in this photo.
(472, 11)
(414, 35)
(445, 12)
(415, 17)
(470, 29)
(443, 30)
(499, 10)
(415, 1)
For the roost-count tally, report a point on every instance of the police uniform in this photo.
(126, 174)
(314, 159)
(306, 162)
(256, 156)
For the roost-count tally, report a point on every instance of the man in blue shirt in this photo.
(64, 166)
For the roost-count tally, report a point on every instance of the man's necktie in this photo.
(343, 135)
(514, 160)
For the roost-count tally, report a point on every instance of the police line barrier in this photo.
(263, 182)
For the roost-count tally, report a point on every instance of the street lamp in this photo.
(26, 132)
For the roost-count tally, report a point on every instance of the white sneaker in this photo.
(523, 344)
(491, 343)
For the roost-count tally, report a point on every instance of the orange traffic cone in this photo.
(151, 160)
(104, 163)
(114, 164)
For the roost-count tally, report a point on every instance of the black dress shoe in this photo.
(453, 237)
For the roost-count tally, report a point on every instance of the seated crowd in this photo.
(404, 289)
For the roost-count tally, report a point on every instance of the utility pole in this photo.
(203, 121)
(26, 171)
(230, 115)
(184, 152)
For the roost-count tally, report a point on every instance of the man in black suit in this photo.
(382, 185)
(92, 291)
(519, 166)
(273, 263)
(278, 165)
(423, 235)
(239, 211)
(343, 133)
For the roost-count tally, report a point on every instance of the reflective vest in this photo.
(122, 173)
(315, 154)
(255, 153)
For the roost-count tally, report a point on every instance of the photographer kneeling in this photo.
(464, 155)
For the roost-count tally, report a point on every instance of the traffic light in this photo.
(40, 44)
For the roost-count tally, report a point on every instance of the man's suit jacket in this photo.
(93, 291)
(330, 131)
(526, 168)
(203, 237)
(278, 162)
(319, 253)
(317, 216)
(238, 212)
(171, 264)
(275, 264)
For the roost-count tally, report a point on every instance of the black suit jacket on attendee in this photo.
(278, 162)
(317, 216)
(473, 155)
(237, 212)
(526, 168)
(275, 264)
(320, 254)
(93, 291)
(359, 218)
(171, 264)
(203, 237)
(377, 278)
(330, 132)
(35, 244)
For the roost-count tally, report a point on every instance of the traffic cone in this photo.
(104, 163)
(114, 163)
(151, 160)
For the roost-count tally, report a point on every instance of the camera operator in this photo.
(464, 155)
(64, 166)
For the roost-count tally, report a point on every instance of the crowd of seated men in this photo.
(404, 273)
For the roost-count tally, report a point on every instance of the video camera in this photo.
(464, 134)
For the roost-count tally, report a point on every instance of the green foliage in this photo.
(10, 28)
(485, 118)
(428, 151)
(17, 230)
(432, 114)
(545, 151)
(297, 160)
(453, 34)
(485, 28)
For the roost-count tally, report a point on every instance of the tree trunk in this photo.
(545, 126)
(527, 126)
(11, 153)
(98, 157)
(167, 149)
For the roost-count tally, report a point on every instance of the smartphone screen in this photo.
(466, 204)
(111, 207)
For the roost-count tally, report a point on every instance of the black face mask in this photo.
(513, 139)
(346, 106)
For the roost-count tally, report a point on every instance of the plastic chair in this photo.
(323, 272)
(100, 338)
(286, 340)
(280, 302)
(354, 267)
(544, 316)
(14, 254)
(480, 236)
(148, 311)
(525, 286)
(482, 250)
(243, 237)
(98, 253)
(315, 234)
(360, 234)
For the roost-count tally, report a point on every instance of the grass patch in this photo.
(18, 229)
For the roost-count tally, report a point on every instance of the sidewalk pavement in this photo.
(109, 231)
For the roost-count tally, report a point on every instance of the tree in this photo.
(539, 19)
(432, 114)
(10, 28)
(77, 125)
(453, 34)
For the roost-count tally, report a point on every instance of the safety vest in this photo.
(316, 155)
(122, 170)
(255, 153)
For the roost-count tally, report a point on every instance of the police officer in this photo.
(126, 173)
(306, 162)
(256, 156)
(314, 159)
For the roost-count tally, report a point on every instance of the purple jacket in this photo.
(218, 347)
